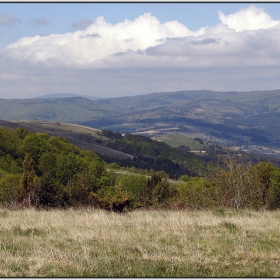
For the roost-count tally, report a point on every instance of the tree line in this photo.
(41, 171)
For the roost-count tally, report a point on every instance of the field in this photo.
(93, 243)
(176, 140)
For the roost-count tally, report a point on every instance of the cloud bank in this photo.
(139, 50)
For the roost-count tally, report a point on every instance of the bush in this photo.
(184, 178)
(113, 165)
(134, 184)
(197, 193)
(235, 182)
(163, 195)
(273, 196)
(50, 194)
(9, 183)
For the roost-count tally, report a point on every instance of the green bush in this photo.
(9, 183)
(113, 165)
(50, 194)
(134, 184)
(273, 196)
(164, 195)
(184, 178)
(197, 193)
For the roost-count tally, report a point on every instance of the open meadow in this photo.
(94, 243)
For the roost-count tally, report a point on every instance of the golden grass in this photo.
(90, 242)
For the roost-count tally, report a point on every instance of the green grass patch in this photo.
(176, 140)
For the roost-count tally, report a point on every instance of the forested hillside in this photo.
(159, 156)
(43, 171)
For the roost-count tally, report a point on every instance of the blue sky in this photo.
(117, 49)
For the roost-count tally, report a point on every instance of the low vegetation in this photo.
(93, 243)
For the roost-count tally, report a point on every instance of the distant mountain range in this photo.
(244, 119)
(67, 95)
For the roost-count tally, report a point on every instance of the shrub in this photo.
(114, 165)
(163, 195)
(184, 178)
(235, 182)
(197, 193)
(9, 183)
(273, 196)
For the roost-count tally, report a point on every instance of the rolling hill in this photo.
(67, 95)
(129, 150)
(81, 136)
(240, 119)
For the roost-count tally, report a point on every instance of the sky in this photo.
(127, 49)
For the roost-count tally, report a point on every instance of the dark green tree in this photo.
(21, 132)
(146, 195)
(27, 192)
(50, 193)
(163, 194)
(273, 194)
(263, 172)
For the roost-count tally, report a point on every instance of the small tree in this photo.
(163, 194)
(263, 172)
(273, 194)
(50, 193)
(146, 194)
(27, 190)
(197, 193)
(9, 183)
(21, 132)
(235, 182)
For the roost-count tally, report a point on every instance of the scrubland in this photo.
(93, 243)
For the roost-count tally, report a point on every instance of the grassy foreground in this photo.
(90, 242)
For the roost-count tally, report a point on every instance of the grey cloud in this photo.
(94, 35)
(204, 41)
(40, 21)
(170, 48)
(180, 46)
(127, 52)
(169, 39)
(128, 40)
(10, 20)
(120, 53)
(82, 24)
(140, 52)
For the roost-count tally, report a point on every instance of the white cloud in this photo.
(145, 55)
(251, 18)
(147, 43)
(99, 41)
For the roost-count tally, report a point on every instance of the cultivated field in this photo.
(176, 140)
(88, 242)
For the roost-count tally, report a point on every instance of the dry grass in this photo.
(88, 242)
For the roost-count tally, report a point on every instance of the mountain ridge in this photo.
(232, 118)
(67, 95)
